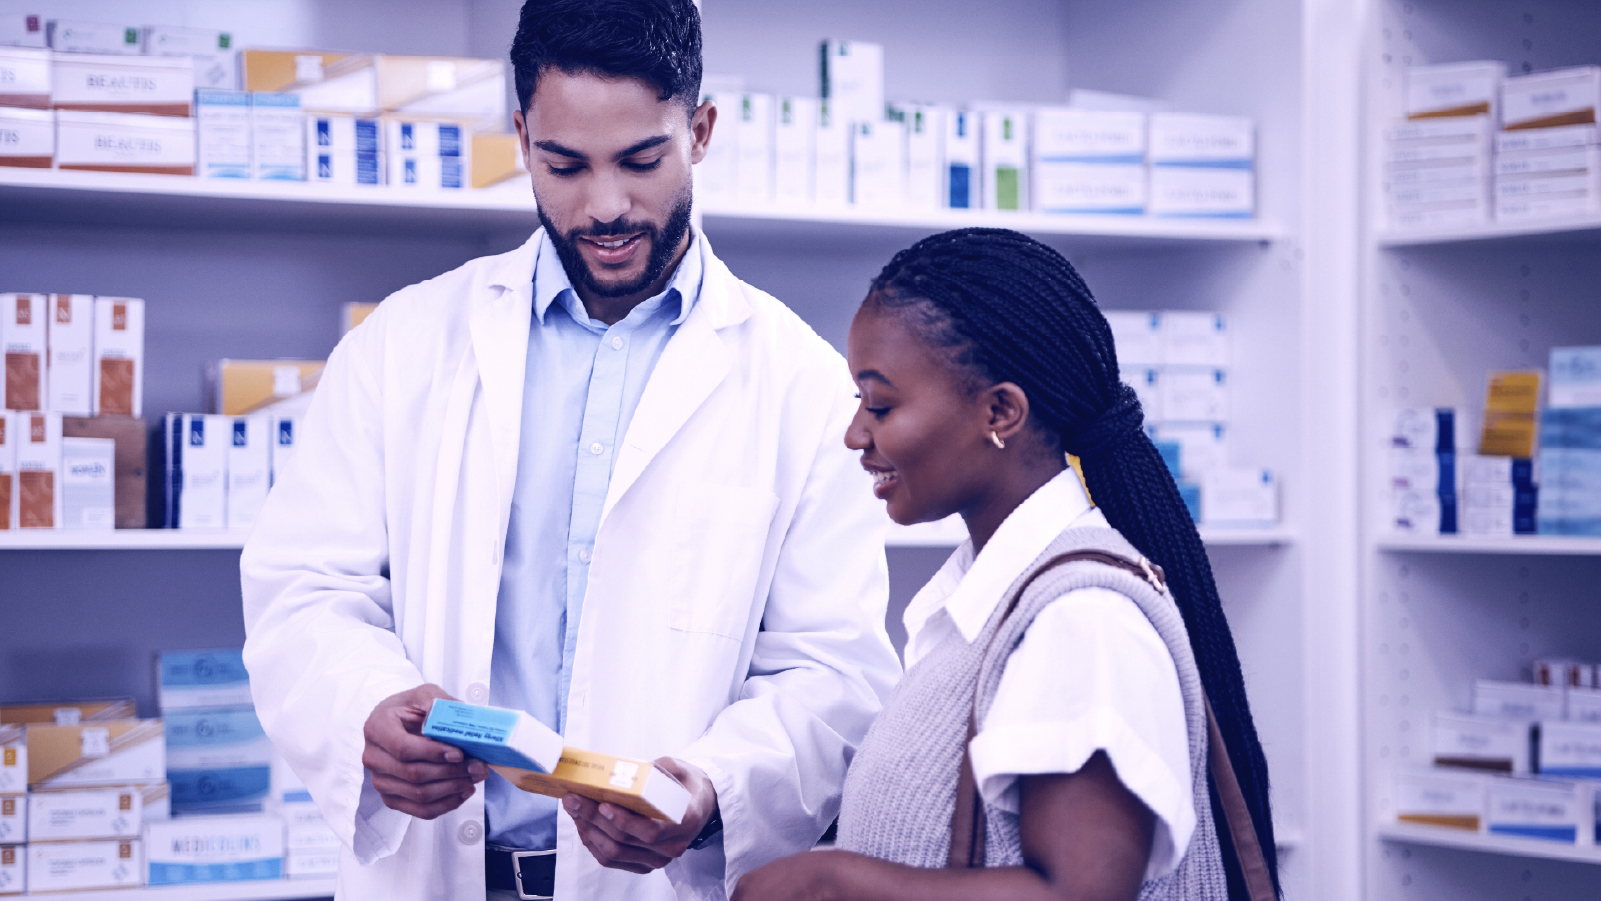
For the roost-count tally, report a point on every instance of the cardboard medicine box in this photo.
(204, 849)
(249, 469)
(27, 138)
(70, 330)
(119, 752)
(84, 814)
(1005, 155)
(13, 819)
(1455, 90)
(25, 30)
(831, 157)
(218, 761)
(13, 869)
(197, 680)
(119, 349)
(1439, 797)
(38, 503)
(277, 137)
(23, 340)
(131, 444)
(124, 142)
(68, 713)
(13, 760)
(222, 125)
(793, 135)
(9, 426)
(80, 36)
(149, 85)
(79, 866)
(88, 483)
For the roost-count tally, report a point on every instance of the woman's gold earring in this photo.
(995, 439)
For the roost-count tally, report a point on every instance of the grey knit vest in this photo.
(900, 790)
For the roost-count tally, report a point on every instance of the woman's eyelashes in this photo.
(878, 412)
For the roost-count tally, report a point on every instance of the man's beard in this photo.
(663, 242)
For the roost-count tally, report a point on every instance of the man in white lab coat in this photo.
(598, 479)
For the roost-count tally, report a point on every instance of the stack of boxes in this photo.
(1548, 161)
(1524, 762)
(72, 444)
(1438, 162)
(1570, 444)
(850, 147)
(1479, 145)
(1178, 364)
(95, 775)
(1422, 490)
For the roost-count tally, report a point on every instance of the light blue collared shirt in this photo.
(583, 382)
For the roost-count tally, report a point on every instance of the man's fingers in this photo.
(379, 760)
(422, 793)
(422, 811)
(620, 855)
(641, 829)
(409, 748)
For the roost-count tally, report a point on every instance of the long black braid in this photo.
(1006, 308)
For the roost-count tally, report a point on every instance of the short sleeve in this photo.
(1092, 674)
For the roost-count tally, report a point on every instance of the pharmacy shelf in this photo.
(1581, 229)
(847, 223)
(122, 540)
(256, 890)
(1213, 537)
(1512, 846)
(1475, 544)
(114, 198)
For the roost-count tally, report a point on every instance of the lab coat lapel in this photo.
(691, 367)
(501, 318)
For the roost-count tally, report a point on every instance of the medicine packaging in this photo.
(132, 444)
(496, 160)
(963, 160)
(1239, 497)
(1540, 809)
(124, 142)
(1438, 797)
(277, 137)
(119, 350)
(24, 78)
(1564, 673)
(196, 680)
(222, 126)
(1137, 337)
(1518, 700)
(1489, 744)
(10, 426)
(88, 489)
(1584, 705)
(86, 813)
(249, 469)
(1204, 445)
(38, 504)
(831, 177)
(1194, 394)
(1455, 90)
(80, 36)
(1193, 139)
(754, 156)
(205, 849)
(1195, 339)
(22, 30)
(13, 819)
(285, 440)
(27, 138)
(1090, 188)
(215, 60)
(343, 150)
(1551, 99)
(206, 440)
(108, 753)
(878, 164)
(794, 144)
(23, 331)
(472, 91)
(851, 77)
(149, 85)
(1005, 155)
(924, 125)
(315, 862)
(13, 869)
(80, 866)
(69, 713)
(1570, 749)
(70, 333)
(13, 760)
(1201, 192)
(218, 760)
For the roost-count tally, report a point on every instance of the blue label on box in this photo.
(450, 173)
(243, 871)
(213, 791)
(366, 135)
(221, 667)
(367, 170)
(1568, 834)
(480, 731)
(450, 142)
(961, 191)
(228, 725)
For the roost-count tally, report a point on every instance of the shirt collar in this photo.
(551, 284)
(968, 587)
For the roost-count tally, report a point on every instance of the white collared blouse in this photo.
(1091, 673)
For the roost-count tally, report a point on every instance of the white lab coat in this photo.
(734, 614)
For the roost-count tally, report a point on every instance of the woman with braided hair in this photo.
(1073, 722)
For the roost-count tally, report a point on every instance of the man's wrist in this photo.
(710, 831)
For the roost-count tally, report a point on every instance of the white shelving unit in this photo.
(256, 890)
(1440, 308)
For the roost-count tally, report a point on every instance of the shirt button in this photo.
(596, 448)
(616, 343)
(470, 832)
(584, 555)
(477, 693)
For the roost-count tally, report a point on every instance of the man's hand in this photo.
(624, 840)
(413, 774)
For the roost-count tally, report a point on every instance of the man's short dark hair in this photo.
(656, 41)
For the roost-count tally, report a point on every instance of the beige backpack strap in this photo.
(967, 820)
(1247, 849)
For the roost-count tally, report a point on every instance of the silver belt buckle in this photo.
(517, 874)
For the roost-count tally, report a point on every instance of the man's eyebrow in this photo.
(643, 146)
(559, 150)
(875, 375)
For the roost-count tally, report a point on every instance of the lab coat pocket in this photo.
(722, 532)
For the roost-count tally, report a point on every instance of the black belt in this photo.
(531, 874)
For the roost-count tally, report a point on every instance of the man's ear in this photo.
(521, 125)
(1007, 408)
(700, 130)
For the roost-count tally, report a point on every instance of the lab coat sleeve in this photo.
(321, 647)
(821, 668)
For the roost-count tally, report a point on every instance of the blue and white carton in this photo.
(218, 761)
(214, 849)
(195, 680)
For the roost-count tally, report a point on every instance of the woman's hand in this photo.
(807, 876)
